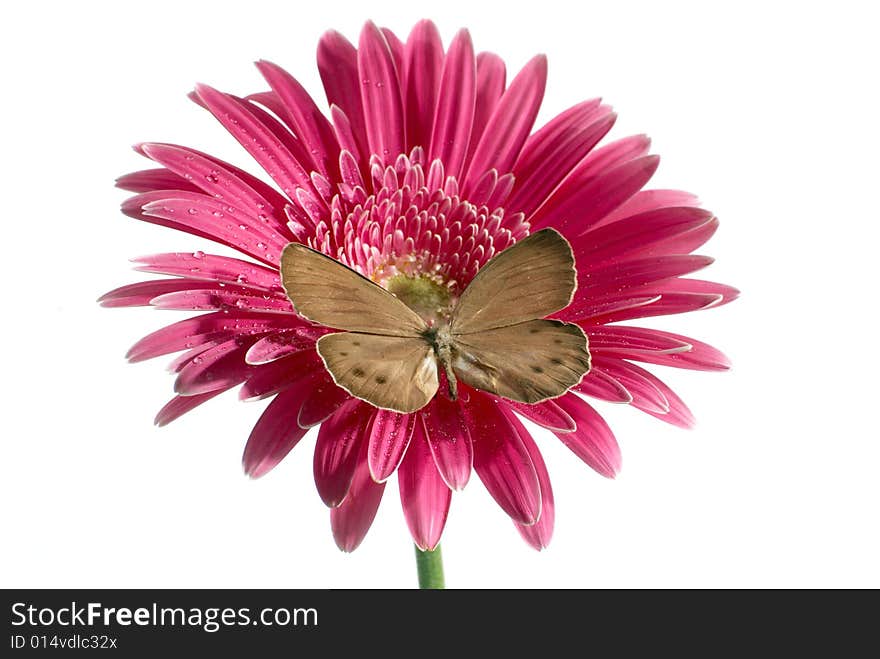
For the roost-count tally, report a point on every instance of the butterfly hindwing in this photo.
(532, 279)
(390, 372)
(329, 293)
(527, 362)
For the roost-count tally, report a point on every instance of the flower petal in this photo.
(584, 198)
(351, 520)
(274, 435)
(620, 309)
(455, 106)
(449, 440)
(546, 414)
(701, 356)
(180, 405)
(282, 344)
(424, 495)
(141, 293)
(263, 145)
(206, 297)
(303, 116)
(147, 180)
(619, 276)
(424, 65)
(390, 434)
(191, 332)
(642, 235)
(338, 66)
(550, 154)
(491, 78)
(220, 367)
(593, 442)
(678, 413)
(599, 384)
(649, 200)
(339, 445)
(538, 535)
(380, 94)
(608, 339)
(323, 400)
(210, 267)
(645, 395)
(510, 123)
(268, 379)
(501, 461)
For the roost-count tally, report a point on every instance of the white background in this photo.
(768, 111)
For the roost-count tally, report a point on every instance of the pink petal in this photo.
(662, 305)
(599, 384)
(449, 439)
(180, 405)
(140, 293)
(619, 276)
(276, 346)
(501, 461)
(593, 442)
(268, 379)
(652, 232)
(455, 106)
(424, 57)
(338, 66)
(324, 399)
(509, 126)
(607, 339)
(336, 453)
(584, 198)
(219, 367)
(395, 45)
(424, 495)
(491, 77)
(351, 520)
(209, 267)
(645, 395)
(191, 332)
(380, 94)
(550, 154)
(678, 413)
(390, 434)
(583, 309)
(649, 200)
(696, 287)
(303, 116)
(263, 145)
(538, 535)
(274, 435)
(701, 356)
(205, 298)
(222, 182)
(613, 155)
(546, 414)
(148, 180)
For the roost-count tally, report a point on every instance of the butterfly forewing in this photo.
(327, 292)
(532, 279)
(528, 362)
(390, 372)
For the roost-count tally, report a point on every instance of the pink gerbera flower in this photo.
(425, 166)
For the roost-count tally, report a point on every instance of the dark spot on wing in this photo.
(537, 369)
(381, 379)
(343, 354)
(534, 330)
(356, 343)
(557, 341)
(555, 360)
(357, 372)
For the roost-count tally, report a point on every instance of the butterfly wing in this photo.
(532, 279)
(528, 362)
(390, 372)
(327, 292)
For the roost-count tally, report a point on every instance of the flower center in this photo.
(412, 230)
(426, 295)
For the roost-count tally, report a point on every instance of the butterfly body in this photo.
(495, 338)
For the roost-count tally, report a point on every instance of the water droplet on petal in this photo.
(198, 255)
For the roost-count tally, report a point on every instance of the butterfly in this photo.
(494, 340)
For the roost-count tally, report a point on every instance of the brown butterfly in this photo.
(494, 340)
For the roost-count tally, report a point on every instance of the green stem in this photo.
(430, 567)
